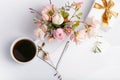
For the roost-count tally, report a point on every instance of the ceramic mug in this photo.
(24, 49)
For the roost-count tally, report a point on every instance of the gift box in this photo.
(112, 27)
(105, 14)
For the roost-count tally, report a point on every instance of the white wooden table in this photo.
(78, 62)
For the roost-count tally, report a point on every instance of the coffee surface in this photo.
(24, 50)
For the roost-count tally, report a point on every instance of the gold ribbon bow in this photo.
(108, 13)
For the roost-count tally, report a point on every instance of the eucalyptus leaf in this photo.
(79, 14)
(96, 48)
(75, 25)
(35, 20)
(64, 14)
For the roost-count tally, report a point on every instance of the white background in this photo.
(79, 63)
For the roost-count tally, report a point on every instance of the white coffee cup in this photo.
(17, 54)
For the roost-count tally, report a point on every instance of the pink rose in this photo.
(92, 21)
(46, 56)
(50, 38)
(78, 4)
(68, 30)
(94, 26)
(59, 34)
(39, 22)
(46, 17)
(47, 12)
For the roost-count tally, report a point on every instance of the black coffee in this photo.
(24, 50)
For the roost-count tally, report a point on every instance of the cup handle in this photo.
(37, 41)
(39, 48)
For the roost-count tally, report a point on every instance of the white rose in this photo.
(57, 19)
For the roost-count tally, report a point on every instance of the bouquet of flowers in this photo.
(58, 23)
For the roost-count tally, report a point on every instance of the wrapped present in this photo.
(105, 11)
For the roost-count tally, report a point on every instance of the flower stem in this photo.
(50, 1)
(34, 11)
(73, 14)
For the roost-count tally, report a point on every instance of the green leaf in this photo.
(35, 20)
(100, 42)
(98, 49)
(64, 13)
(77, 8)
(63, 9)
(79, 14)
(78, 17)
(75, 25)
(94, 51)
(51, 12)
(56, 25)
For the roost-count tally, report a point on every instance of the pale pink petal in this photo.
(59, 34)
(39, 33)
(50, 39)
(45, 12)
(72, 37)
(45, 17)
(44, 27)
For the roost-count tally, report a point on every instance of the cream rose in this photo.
(39, 33)
(57, 19)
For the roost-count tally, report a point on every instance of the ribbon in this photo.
(108, 13)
